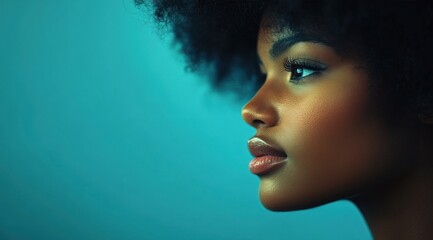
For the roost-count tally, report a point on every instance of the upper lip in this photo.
(259, 147)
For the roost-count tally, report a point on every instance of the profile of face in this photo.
(318, 138)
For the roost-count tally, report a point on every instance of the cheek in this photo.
(333, 143)
(329, 116)
(333, 122)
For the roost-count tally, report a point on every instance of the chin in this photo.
(278, 198)
(278, 201)
(279, 204)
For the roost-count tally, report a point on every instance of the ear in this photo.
(425, 118)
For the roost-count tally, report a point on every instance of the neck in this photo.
(402, 208)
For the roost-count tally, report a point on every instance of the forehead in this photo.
(276, 34)
(281, 21)
(270, 33)
(270, 30)
(274, 38)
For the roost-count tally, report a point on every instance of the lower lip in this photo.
(266, 164)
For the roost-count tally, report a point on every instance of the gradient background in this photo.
(103, 135)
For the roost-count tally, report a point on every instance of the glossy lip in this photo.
(267, 158)
(259, 147)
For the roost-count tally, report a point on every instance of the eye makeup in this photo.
(302, 68)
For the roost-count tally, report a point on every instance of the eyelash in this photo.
(315, 67)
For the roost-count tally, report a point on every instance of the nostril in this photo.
(260, 117)
(257, 122)
(260, 111)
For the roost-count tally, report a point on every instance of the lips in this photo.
(267, 158)
(259, 147)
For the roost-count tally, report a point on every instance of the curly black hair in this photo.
(393, 39)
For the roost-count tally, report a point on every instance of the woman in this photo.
(344, 108)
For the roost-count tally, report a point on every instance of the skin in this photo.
(337, 145)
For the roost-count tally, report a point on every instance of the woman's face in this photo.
(313, 110)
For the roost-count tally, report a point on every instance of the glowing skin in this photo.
(334, 143)
(337, 146)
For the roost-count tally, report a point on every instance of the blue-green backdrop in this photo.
(103, 135)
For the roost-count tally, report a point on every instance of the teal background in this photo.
(103, 135)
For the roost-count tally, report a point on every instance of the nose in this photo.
(260, 111)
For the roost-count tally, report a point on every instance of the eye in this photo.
(300, 72)
(301, 68)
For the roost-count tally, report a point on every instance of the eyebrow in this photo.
(285, 43)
